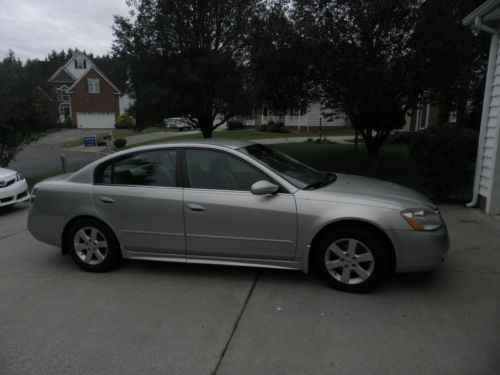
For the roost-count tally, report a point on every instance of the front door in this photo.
(139, 195)
(224, 219)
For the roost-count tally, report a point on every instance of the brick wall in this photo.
(105, 102)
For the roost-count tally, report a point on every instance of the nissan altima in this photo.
(240, 204)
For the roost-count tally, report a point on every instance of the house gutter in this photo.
(490, 75)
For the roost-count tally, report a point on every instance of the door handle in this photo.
(195, 207)
(106, 200)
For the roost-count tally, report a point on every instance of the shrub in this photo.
(284, 129)
(401, 137)
(262, 128)
(271, 126)
(67, 123)
(445, 157)
(125, 121)
(120, 142)
(235, 125)
(275, 127)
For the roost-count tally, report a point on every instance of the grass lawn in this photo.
(120, 133)
(246, 135)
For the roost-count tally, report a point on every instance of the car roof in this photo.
(229, 143)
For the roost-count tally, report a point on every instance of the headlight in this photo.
(19, 177)
(422, 219)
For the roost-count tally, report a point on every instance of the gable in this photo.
(62, 76)
(106, 85)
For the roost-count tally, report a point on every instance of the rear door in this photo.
(140, 196)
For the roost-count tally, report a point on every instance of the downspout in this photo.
(486, 106)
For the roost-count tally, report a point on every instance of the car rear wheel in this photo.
(93, 245)
(352, 259)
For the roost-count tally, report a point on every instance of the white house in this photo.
(302, 120)
(486, 19)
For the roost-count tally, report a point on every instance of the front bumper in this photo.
(420, 251)
(15, 193)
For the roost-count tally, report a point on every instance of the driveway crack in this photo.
(237, 322)
(4, 236)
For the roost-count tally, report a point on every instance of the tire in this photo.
(352, 259)
(104, 251)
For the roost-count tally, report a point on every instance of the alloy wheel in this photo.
(349, 261)
(90, 245)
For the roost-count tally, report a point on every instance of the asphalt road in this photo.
(161, 318)
(41, 159)
(46, 162)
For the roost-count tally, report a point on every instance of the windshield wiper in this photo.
(327, 179)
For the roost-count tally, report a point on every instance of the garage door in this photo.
(95, 120)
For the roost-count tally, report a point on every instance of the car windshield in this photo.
(298, 174)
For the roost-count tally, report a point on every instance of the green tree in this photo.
(381, 58)
(23, 111)
(450, 59)
(281, 60)
(187, 58)
(366, 70)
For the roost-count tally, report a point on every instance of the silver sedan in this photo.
(240, 204)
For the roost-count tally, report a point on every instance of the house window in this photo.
(423, 116)
(63, 94)
(94, 86)
(453, 116)
(80, 64)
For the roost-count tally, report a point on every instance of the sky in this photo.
(32, 28)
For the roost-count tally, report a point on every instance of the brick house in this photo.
(85, 95)
(428, 115)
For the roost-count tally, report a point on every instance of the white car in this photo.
(178, 123)
(13, 188)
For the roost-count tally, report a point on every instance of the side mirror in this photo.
(264, 187)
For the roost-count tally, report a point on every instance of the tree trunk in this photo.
(206, 126)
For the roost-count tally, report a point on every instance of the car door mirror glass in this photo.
(264, 187)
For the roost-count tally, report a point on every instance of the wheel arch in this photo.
(64, 233)
(359, 223)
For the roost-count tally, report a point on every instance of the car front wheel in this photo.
(352, 259)
(93, 245)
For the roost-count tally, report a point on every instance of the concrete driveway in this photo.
(160, 318)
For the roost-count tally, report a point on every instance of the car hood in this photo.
(376, 190)
(4, 172)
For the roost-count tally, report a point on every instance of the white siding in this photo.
(314, 113)
(125, 102)
(77, 73)
(489, 176)
(495, 101)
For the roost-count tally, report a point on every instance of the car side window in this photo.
(216, 170)
(149, 168)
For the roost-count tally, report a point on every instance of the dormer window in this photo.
(80, 64)
(94, 86)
